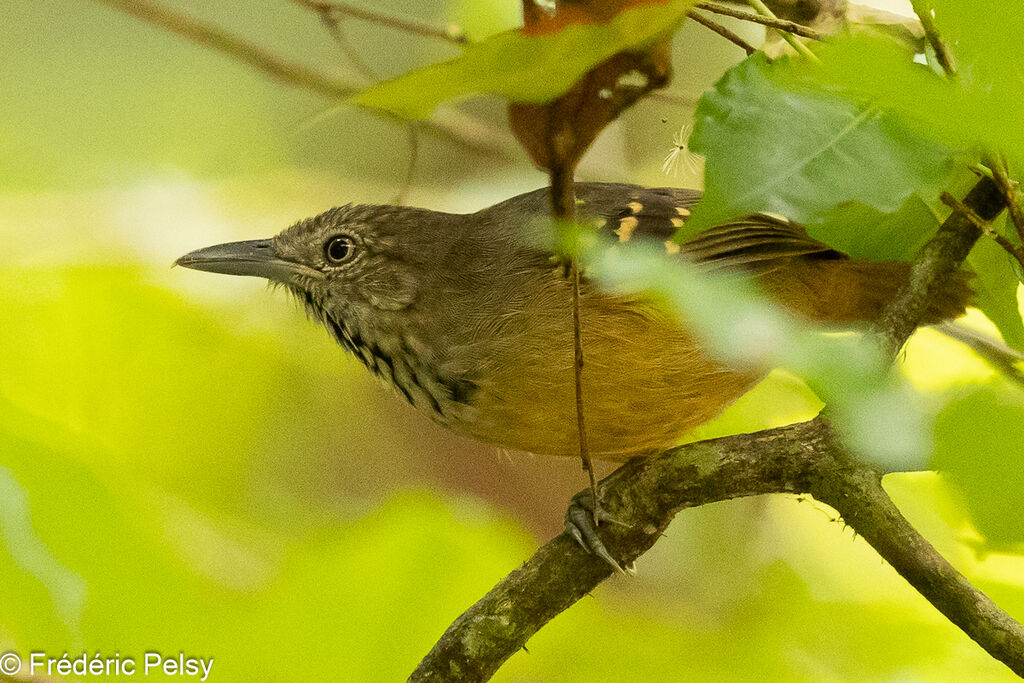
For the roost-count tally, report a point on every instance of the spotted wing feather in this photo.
(631, 212)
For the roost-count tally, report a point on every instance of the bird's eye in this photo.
(339, 249)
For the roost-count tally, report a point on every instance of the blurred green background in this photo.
(187, 464)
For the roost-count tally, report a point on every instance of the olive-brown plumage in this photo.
(470, 320)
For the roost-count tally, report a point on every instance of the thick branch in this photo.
(647, 493)
(937, 261)
(858, 496)
(803, 458)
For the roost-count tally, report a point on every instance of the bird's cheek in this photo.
(392, 290)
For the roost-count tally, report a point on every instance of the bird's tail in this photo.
(852, 291)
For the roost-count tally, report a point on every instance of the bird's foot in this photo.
(581, 521)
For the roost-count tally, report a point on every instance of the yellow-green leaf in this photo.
(525, 68)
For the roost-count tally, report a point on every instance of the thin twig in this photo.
(449, 124)
(207, 35)
(931, 32)
(770, 22)
(964, 210)
(334, 27)
(722, 31)
(563, 210)
(801, 49)
(397, 23)
(414, 153)
(1002, 177)
(1009, 247)
(1017, 252)
(999, 355)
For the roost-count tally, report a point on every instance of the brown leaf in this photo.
(557, 133)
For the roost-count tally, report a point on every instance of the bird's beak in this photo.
(257, 258)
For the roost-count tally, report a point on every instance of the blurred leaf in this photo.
(166, 390)
(769, 147)
(985, 37)
(525, 68)
(878, 417)
(66, 589)
(996, 288)
(135, 572)
(72, 345)
(481, 19)
(978, 439)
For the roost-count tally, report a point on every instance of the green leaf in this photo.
(980, 110)
(525, 68)
(995, 290)
(799, 152)
(978, 441)
(985, 38)
(867, 233)
(98, 559)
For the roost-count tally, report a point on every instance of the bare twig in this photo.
(999, 355)
(397, 23)
(770, 22)
(800, 48)
(722, 31)
(333, 26)
(931, 32)
(1002, 178)
(449, 124)
(414, 153)
(1017, 252)
(336, 31)
(199, 32)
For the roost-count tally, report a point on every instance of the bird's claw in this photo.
(580, 521)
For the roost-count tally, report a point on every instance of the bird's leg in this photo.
(581, 520)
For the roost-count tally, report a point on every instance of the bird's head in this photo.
(358, 266)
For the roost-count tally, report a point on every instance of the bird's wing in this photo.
(754, 242)
(631, 212)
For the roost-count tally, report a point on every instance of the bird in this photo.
(469, 317)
